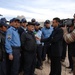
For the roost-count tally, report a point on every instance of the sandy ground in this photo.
(46, 68)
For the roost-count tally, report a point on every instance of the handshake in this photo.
(37, 37)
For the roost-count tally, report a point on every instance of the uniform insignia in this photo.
(9, 36)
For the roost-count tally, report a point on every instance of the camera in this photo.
(66, 22)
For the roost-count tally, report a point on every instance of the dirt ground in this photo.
(46, 68)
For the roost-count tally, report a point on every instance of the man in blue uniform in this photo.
(12, 45)
(38, 33)
(46, 31)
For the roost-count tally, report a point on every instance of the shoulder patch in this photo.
(9, 36)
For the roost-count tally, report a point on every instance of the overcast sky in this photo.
(38, 9)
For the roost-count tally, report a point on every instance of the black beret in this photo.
(31, 23)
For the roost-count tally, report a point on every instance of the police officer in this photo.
(4, 20)
(3, 28)
(11, 22)
(38, 33)
(29, 47)
(23, 26)
(33, 20)
(21, 29)
(12, 45)
(46, 31)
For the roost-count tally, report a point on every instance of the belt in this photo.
(15, 47)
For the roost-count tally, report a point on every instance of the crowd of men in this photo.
(24, 45)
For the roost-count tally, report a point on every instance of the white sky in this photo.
(38, 9)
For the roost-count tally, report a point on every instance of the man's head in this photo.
(15, 22)
(37, 26)
(3, 26)
(4, 20)
(33, 20)
(24, 23)
(47, 23)
(30, 26)
(56, 22)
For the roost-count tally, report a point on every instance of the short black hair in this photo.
(57, 19)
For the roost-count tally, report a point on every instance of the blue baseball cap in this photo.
(33, 20)
(47, 22)
(3, 24)
(37, 24)
(4, 20)
(23, 20)
(14, 19)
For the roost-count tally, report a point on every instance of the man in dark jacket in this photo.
(23, 26)
(21, 29)
(3, 28)
(28, 41)
(56, 47)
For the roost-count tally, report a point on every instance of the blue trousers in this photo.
(13, 66)
(39, 56)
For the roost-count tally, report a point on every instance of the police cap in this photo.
(37, 24)
(3, 24)
(47, 22)
(33, 20)
(31, 23)
(4, 20)
(23, 20)
(14, 19)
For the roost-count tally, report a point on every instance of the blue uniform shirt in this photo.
(12, 39)
(47, 32)
(39, 35)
